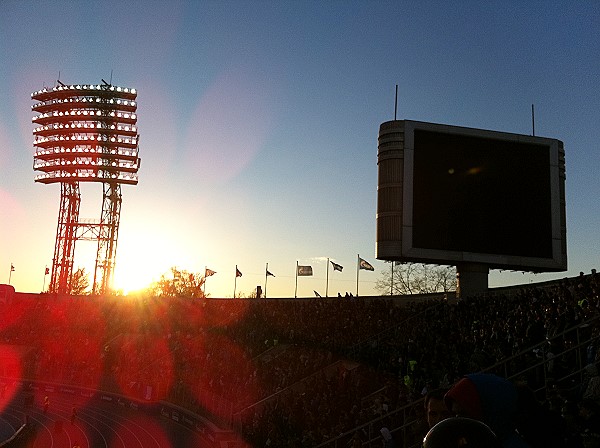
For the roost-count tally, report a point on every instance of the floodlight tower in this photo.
(86, 133)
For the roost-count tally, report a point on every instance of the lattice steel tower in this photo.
(86, 133)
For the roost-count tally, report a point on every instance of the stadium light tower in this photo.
(85, 133)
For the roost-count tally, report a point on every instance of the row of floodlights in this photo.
(84, 112)
(99, 138)
(120, 176)
(84, 125)
(90, 162)
(79, 149)
(86, 87)
(83, 100)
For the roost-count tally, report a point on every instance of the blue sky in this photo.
(258, 124)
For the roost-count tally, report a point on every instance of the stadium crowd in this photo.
(297, 373)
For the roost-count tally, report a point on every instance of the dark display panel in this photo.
(481, 195)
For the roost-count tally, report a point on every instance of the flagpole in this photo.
(44, 283)
(235, 281)
(392, 281)
(10, 273)
(296, 290)
(266, 279)
(327, 277)
(357, 271)
(205, 277)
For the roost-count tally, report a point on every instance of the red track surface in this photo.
(101, 425)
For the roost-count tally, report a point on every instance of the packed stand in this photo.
(300, 372)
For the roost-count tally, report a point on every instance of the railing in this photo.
(543, 369)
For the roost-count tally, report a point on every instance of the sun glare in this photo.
(146, 255)
(135, 271)
(132, 278)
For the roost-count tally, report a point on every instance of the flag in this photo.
(269, 274)
(304, 270)
(364, 264)
(12, 268)
(47, 271)
(209, 272)
(337, 267)
(238, 273)
(316, 293)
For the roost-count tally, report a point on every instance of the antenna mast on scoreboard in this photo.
(396, 104)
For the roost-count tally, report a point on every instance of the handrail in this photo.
(274, 394)
(404, 408)
(543, 343)
(14, 436)
(544, 362)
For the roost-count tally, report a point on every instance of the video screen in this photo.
(482, 195)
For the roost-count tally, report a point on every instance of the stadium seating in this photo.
(309, 372)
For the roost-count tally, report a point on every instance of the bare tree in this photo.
(416, 278)
(180, 283)
(80, 282)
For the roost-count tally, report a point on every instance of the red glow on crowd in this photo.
(144, 369)
(12, 313)
(10, 365)
(72, 343)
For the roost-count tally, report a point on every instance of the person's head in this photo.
(385, 433)
(460, 432)
(488, 398)
(588, 408)
(435, 407)
(591, 370)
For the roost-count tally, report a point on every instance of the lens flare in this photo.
(230, 124)
(144, 367)
(71, 335)
(14, 313)
(10, 362)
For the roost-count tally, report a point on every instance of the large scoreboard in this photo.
(455, 195)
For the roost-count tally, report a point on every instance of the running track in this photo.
(104, 424)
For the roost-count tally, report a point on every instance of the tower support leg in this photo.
(66, 235)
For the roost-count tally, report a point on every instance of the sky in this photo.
(258, 125)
